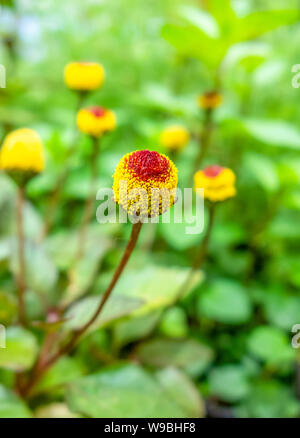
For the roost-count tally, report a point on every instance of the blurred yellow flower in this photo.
(95, 121)
(145, 173)
(210, 100)
(84, 76)
(218, 183)
(174, 137)
(22, 150)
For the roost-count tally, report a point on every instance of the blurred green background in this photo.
(225, 349)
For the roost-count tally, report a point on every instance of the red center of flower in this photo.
(97, 111)
(149, 164)
(212, 171)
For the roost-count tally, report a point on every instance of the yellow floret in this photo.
(174, 137)
(155, 176)
(217, 187)
(91, 124)
(84, 76)
(22, 150)
(210, 100)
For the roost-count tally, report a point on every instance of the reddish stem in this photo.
(42, 365)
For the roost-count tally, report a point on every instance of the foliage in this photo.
(228, 338)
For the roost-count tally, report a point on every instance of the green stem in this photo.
(57, 191)
(259, 228)
(200, 257)
(88, 207)
(21, 276)
(204, 139)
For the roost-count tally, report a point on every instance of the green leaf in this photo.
(21, 349)
(258, 23)
(291, 268)
(156, 286)
(233, 262)
(35, 306)
(174, 323)
(64, 371)
(289, 171)
(157, 97)
(263, 169)
(269, 399)
(5, 248)
(7, 189)
(225, 301)
(78, 184)
(281, 309)
(285, 226)
(249, 55)
(229, 383)
(41, 273)
(201, 19)
(271, 345)
(191, 41)
(176, 236)
(190, 355)
(8, 308)
(11, 406)
(223, 13)
(33, 223)
(86, 270)
(135, 328)
(291, 200)
(182, 390)
(125, 391)
(227, 234)
(115, 308)
(8, 3)
(273, 132)
(62, 246)
(54, 410)
(57, 148)
(271, 71)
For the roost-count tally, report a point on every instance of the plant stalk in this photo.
(21, 276)
(57, 191)
(42, 365)
(199, 259)
(88, 207)
(204, 139)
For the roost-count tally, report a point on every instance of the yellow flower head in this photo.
(95, 121)
(22, 150)
(84, 76)
(210, 100)
(218, 183)
(174, 137)
(145, 183)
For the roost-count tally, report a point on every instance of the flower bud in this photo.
(210, 100)
(149, 177)
(84, 76)
(174, 137)
(218, 183)
(22, 154)
(95, 121)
